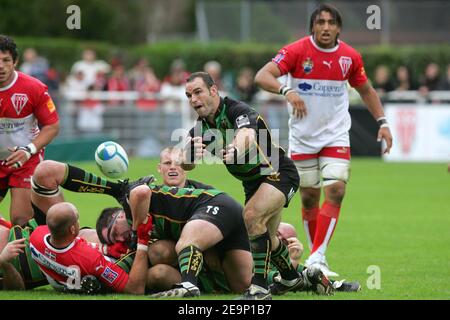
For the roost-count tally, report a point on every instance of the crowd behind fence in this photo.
(144, 131)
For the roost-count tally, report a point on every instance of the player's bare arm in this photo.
(140, 198)
(371, 99)
(12, 280)
(21, 154)
(245, 137)
(138, 274)
(266, 78)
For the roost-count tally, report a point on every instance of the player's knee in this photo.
(140, 193)
(310, 198)
(44, 172)
(251, 216)
(335, 192)
(161, 277)
(20, 219)
(335, 172)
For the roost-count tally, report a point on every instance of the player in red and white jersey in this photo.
(28, 122)
(68, 261)
(319, 67)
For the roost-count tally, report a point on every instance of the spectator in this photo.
(430, 80)
(101, 82)
(403, 81)
(34, 65)
(382, 82)
(118, 82)
(215, 71)
(148, 84)
(90, 114)
(173, 84)
(445, 83)
(245, 88)
(76, 82)
(178, 74)
(90, 66)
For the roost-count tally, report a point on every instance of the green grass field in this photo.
(395, 217)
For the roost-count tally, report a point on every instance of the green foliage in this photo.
(100, 19)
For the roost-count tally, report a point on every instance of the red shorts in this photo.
(20, 177)
(329, 152)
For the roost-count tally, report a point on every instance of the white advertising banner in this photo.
(420, 132)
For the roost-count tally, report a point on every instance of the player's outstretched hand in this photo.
(230, 155)
(199, 148)
(385, 134)
(12, 250)
(297, 103)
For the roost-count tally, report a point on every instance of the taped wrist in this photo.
(284, 90)
(382, 122)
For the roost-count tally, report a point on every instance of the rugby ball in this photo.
(111, 159)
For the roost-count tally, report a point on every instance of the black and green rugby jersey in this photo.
(231, 116)
(24, 263)
(172, 207)
(197, 185)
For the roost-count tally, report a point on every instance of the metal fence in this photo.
(401, 21)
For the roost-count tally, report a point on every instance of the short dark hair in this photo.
(7, 44)
(206, 77)
(327, 8)
(103, 221)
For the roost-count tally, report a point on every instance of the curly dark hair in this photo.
(7, 44)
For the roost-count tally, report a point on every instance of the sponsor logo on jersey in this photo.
(50, 254)
(51, 106)
(303, 86)
(321, 89)
(19, 100)
(345, 63)
(342, 150)
(280, 56)
(242, 121)
(327, 63)
(109, 275)
(307, 65)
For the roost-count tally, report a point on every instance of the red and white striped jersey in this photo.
(64, 268)
(24, 104)
(320, 77)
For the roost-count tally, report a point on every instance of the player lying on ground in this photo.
(201, 217)
(68, 262)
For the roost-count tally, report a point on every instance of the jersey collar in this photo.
(16, 75)
(334, 49)
(57, 250)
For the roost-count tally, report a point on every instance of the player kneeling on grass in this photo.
(71, 263)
